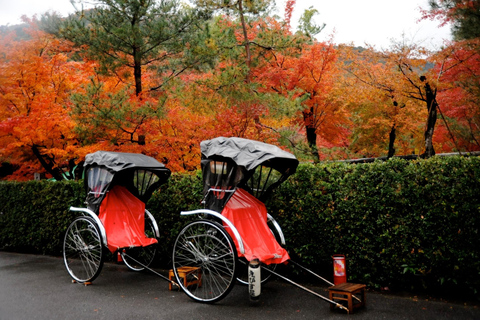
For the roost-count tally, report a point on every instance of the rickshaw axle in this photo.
(123, 254)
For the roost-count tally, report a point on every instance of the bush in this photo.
(34, 215)
(402, 224)
(180, 193)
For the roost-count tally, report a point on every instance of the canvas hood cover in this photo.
(104, 169)
(118, 161)
(249, 153)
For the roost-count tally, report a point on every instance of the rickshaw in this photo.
(235, 239)
(118, 185)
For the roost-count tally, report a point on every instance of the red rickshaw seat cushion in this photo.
(249, 216)
(123, 216)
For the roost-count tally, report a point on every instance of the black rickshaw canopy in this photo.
(228, 163)
(139, 173)
(118, 161)
(249, 153)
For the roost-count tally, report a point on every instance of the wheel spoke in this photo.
(82, 249)
(206, 246)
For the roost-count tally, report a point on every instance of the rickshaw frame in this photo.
(87, 239)
(239, 159)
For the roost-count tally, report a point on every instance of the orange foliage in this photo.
(379, 97)
(344, 101)
(35, 81)
(309, 78)
(459, 65)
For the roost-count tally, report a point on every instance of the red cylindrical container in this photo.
(339, 269)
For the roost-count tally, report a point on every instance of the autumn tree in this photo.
(36, 80)
(232, 80)
(386, 116)
(240, 35)
(158, 41)
(417, 81)
(308, 80)
(459, 64)
(247, 77)
(305, 76)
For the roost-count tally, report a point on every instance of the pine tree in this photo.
(463, 14)
(137, 33)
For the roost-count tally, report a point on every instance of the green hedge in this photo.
(402, 224)
(33, 215)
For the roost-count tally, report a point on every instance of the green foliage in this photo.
(102, 115)
(465, 17)
(307, 26)
(180, 193)
(406, 225)
(400, 224)
(252, 7)
(34, 215)
(134, 33)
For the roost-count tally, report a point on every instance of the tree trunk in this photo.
(137, 56)
(391, 143)
(137, 73)
(48, 165)
(311, 134)
(431, 120)
(247, 42)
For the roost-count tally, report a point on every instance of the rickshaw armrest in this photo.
(91, 214)
(154, 223)
(225, 220)
(277, 226)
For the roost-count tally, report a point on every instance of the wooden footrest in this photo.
(353, 293)
(190, 276)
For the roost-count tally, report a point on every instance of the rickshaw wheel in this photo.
(83, 252)
(205, 249)
(142, 256)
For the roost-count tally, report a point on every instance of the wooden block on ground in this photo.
(352, 293)
(185, 273)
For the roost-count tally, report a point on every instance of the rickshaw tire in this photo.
(218, 237)
(92, 252)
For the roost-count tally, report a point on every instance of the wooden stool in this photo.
(346, 291)
(184, 272)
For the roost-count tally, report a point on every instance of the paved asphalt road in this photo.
(38, 287)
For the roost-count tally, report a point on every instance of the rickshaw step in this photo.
(345, 292)
(184, 273)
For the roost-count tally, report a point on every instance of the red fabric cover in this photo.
(249, 216)
(123, 216)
